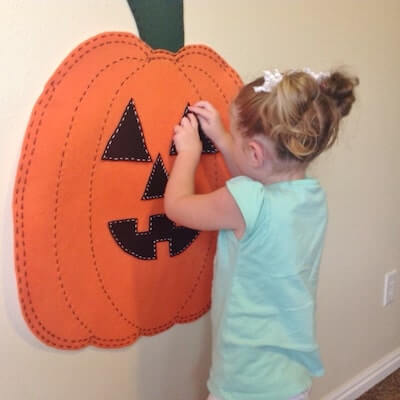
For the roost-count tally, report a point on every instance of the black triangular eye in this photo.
(127, 142)
(208, 146)
(157, 182)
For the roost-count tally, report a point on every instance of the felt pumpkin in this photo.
(97, 260)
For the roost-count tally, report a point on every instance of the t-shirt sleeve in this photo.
(249, 196)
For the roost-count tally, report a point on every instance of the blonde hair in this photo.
(300, 114)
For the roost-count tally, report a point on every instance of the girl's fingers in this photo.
(202, 119)
(184, 121)
(201, 112)
(193, 120)
(189, 121)
(204, 104)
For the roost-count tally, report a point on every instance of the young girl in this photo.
(271, 219)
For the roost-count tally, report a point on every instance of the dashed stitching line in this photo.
(199, 276)
(81, 342)
(194, 49)
(135, 42)
(19, 219)
(188, 244)
(195, 67)
(131, 105)
(190, 81)
(205, 52)
(146, 331)
(110, 226)
(90, 212)
(153, 170)
(58, 184)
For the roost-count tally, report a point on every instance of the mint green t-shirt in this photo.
(264, 289)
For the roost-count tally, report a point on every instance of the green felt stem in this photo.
(159, 22)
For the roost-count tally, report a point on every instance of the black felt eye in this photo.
(208, 146)
(127, 143)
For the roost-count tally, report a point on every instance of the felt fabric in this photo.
(97, 261)
(127, 141)
(143, 244)
(157, 182)
(159, 22)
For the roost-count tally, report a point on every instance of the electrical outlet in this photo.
(389, 290)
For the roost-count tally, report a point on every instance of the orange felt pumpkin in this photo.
(97, 261)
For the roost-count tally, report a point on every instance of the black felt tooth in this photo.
(127, 142)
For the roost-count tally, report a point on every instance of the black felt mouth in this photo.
(143, 244)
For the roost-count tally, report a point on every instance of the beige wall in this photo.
(361, 176)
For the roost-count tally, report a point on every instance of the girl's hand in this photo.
(186, 136)
(212, 126)
(210, 122)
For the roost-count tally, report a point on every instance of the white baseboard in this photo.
(367, 378)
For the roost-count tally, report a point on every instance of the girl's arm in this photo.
(212, 126)
(212, 211)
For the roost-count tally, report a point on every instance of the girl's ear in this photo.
(257, 153)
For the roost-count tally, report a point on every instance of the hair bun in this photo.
(340, 88)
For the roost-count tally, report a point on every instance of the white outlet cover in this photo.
(389, 291)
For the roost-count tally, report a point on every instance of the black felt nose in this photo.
(157, 181)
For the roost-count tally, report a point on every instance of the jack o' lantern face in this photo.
(97, 260)
(127, 143)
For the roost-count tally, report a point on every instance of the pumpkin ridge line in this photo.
(207, 52)
(24, 182)
(198, 278)
(194, 86)
(69, 68)
(135, 42)
(64, 69)
(84, 94)
(119, 312)
(235, 78)
(211, 79)
(204, 51)
(126, 58)
(55, 219)
(21, 218)
(91, 182)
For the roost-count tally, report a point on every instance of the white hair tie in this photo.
(272, 78)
